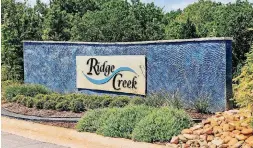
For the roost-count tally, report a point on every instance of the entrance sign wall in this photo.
(112, 73)
(194, 68)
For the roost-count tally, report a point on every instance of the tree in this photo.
(120, 21)
(243, 90)
(57, 24)
(219, 20)
(188, 30)
(19, 23)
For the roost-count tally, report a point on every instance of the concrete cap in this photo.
(140, 42)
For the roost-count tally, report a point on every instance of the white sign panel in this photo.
(112, 73)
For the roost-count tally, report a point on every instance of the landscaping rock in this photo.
(229, 129)
(190, 136)
(249, 141)
(217, 142)
(238, 144)
(232, 142)
(174, 140)
(171, 145)
(187, 131)
(247, 131)
(182, 138)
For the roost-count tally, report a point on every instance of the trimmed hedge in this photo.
(137, 101)
(121, 101)
(122, 123)
(141, 123)
(93, 119)
(161, 125)
(42, 98)
(30, 90)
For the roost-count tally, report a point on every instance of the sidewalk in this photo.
(14, 141)
(67, 137)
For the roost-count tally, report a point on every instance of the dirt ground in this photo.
(18, 108)
(21, 109)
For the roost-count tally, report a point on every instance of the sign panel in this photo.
(126, 73)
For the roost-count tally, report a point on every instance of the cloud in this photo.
(179, 5)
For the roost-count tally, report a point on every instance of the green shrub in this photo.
(74, 96)
(106, 102)
(76, 105)
(18, 98)
(161, 125)
(23, 100)
(105, 115)
(120, 101)
(90, 121)
(93, 102)
(63, 106)
(202, 105)
(39, 103)
(174, 100)
(164, 98)
(122, 123)
(49, 104)
(29, 102)
(30, 90)
(57, 97)
(243, 88)
(156, 100)
(4, 84)
(39, 97)
(137, 101)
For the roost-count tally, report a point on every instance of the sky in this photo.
(167, 5)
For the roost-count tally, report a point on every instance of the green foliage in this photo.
(90, 121)
(77, 105)
(106, 102)
(202, 105)
(39, 104)
(49, 104)
(138, 20)
(111, 21)
(122, 123)
(30, 90)
(29, 102)
(19, 22)
(63, 106)
(163, 98)
(120, 102)
(161, 125)
(243, 89)
(18, 98)
(157, 99)
(141, 123)
(137, 101)
(211, 19)
(93, 102)
(41, 98)
(39, 101)
(102, 120)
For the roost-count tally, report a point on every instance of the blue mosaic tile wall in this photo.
(193, 68)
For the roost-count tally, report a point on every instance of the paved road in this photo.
(14, 141)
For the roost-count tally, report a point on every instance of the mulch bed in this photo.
(196, 115)
(18, 108)
(21, 109)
